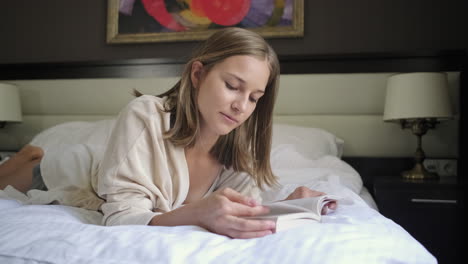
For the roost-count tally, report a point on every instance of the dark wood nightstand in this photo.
(428, 210)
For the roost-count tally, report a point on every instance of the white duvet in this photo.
(59, 234)
(354, 233)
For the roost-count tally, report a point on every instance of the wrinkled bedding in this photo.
(354, 233)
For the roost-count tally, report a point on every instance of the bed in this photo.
(308, 149)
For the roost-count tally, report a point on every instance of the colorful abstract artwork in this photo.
(131, 21)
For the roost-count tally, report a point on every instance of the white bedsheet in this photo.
(354, 233)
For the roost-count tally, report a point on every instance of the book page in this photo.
(292, 213)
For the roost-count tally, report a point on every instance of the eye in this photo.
(230, 87)
(253, 100)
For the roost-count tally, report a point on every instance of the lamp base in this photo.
(419, 173)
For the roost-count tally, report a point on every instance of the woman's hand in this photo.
(222, 212)
(304, 192)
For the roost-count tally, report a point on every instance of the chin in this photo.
(225, 130)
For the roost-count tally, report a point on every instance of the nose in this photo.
(240, 104)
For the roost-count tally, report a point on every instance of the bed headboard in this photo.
(343, 94)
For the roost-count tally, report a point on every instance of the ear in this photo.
(196, 73)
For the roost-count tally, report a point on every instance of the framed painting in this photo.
(138, 21)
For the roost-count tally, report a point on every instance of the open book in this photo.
(292, 213)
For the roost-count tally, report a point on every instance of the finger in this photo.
(238, 209)
(247, 235)
(250, 225)
(238, 198)
(303, 192)
(317, 193)
(332, 205)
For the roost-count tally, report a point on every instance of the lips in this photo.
(230, 118)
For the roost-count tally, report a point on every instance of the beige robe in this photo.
(142, 175)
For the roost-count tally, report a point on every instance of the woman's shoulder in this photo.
(146, 109)
(146, 104)
(148, 100)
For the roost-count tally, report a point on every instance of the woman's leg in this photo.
(18, 170)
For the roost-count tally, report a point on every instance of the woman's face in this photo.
(228, 93)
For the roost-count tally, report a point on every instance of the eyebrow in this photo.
(243, 81)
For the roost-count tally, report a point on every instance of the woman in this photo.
(195, 155)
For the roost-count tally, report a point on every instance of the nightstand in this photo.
(428, 210)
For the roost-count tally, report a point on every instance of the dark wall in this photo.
(70, 30)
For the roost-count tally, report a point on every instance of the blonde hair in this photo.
(246, 148)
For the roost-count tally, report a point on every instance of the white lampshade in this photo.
(417, 95)
(10, 105)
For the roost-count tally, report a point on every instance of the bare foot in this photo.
(29, 154)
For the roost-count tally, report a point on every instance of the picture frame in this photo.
(144, 21)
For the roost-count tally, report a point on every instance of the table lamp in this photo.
(418, 101)
(10, 105)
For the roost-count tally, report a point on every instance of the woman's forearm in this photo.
(184, 215)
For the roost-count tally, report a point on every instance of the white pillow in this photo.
(311, 142)
(76, 132)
